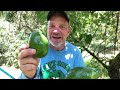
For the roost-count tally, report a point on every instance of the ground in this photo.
(11, 71)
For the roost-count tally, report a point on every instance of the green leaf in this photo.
(88, 38)
(41, 16)
(84, 73)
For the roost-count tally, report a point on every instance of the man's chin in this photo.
(55, 44)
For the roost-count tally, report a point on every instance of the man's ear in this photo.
(69, 32)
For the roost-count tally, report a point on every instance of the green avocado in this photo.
(84, 73)
(39, 42)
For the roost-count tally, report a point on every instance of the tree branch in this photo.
(116, 30)
(105, 66)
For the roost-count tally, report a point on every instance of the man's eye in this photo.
(62, 27)
(51, 26)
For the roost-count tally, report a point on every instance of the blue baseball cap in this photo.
(57, 13)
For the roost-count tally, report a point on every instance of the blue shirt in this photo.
(56, 64)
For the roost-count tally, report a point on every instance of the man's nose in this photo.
(57, 30)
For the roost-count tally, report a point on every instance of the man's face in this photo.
(58, 31)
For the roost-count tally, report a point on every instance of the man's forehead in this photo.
(53, 23)
(57, 19)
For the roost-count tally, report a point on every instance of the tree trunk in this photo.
(114, 68)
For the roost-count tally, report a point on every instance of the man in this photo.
(62, 55)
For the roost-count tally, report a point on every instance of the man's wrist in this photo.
(33, 76)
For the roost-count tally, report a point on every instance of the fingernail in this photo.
(23, 46)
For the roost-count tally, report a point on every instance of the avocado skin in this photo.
(39, 42)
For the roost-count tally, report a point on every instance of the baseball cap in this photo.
(57, 13)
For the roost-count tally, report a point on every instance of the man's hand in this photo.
(27, 62)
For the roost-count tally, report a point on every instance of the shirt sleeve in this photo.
(78, 61)
(37, 75)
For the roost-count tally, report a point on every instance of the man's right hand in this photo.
(27, 62)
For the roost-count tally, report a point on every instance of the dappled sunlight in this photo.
(86, 56)
(75, 49)
(110, 56)
(66, 48)
(6, 25)
(68, 56)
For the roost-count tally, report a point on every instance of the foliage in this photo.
(84, 73)
(95, 64)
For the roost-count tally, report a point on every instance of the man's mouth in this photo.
(56, 37)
